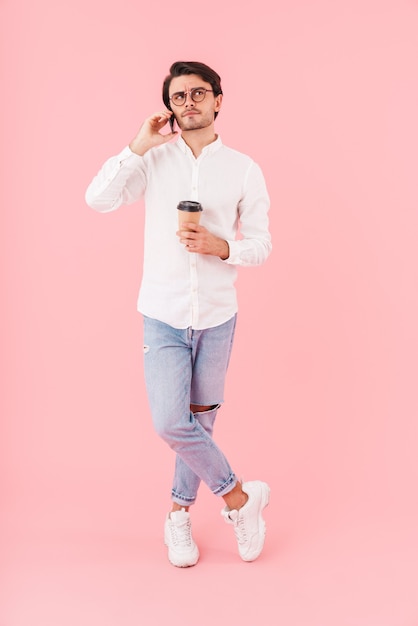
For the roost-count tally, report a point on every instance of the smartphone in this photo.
(172, 120)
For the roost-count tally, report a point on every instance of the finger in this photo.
(186, 233)
(192, 227)
(158, 120)
(166, 114)
(188, 241)
(160, 115)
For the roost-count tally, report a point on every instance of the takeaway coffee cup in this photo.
(189, 211)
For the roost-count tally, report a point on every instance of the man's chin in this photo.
(191, 124)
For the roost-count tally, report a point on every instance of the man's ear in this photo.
(218, 102)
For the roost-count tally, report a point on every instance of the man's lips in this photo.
(187, 113)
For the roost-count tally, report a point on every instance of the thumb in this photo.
(169, 136)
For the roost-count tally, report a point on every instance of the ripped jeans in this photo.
(184, 367)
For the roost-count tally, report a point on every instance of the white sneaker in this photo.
(182, 550)
(248, 522)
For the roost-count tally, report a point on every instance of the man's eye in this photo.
(198, 92)
(178, 97)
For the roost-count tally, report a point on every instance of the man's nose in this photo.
(188, 99)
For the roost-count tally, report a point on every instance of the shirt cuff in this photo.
(128, 154)
(234, 252)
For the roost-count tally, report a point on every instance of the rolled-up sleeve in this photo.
(121, 180)
(254, 245)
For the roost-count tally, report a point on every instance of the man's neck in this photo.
(199, 139)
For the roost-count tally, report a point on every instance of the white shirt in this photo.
(185, 289)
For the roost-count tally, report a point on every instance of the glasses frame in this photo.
(190, 93)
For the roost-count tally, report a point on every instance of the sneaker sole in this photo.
(183, 564)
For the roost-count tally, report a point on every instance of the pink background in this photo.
(322, 388)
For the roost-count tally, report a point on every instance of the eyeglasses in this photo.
(197, 94)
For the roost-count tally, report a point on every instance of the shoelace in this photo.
(240, 530)
(181, 535)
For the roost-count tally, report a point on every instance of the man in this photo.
(187, 294)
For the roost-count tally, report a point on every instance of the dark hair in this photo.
(182, 68)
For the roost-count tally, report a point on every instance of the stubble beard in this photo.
(191, 123)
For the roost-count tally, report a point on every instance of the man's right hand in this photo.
(149, 135)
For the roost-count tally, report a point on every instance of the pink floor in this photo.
(361, 571)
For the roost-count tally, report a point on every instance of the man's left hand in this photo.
(198, 239)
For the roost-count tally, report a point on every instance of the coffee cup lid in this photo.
(190, 206)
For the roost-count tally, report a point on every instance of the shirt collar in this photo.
(209, 149)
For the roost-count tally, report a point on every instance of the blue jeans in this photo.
(184, 367)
